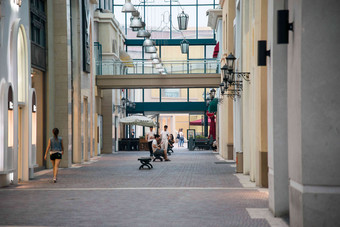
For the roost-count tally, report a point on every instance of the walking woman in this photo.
(55, 145)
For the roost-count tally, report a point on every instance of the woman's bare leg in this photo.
(57, 162)
(53, 164)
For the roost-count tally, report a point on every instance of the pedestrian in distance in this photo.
(181, 138)
(165, 138)
(150, 136)
(56, 148)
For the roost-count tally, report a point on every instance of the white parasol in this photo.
(138, 120)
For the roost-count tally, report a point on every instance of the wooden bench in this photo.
(145, 161)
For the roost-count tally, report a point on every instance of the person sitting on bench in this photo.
(157, 151)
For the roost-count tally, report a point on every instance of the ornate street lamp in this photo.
(230, 62)
(183, 20)
(212, 93)
(184, 47)
(232, 81)
(128, 7)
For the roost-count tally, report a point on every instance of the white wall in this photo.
(14, 18)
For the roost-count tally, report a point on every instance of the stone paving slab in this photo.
(191, 190)
(187, 169)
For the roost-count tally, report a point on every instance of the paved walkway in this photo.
(194, 189)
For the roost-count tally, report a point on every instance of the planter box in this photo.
(143, 145)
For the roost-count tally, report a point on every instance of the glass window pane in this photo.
(158, 22)
(197, 123)
(151, 95)
(209, 51)
(172, 53)
(174, 95)
(135, 52)
(196, 52)
(120, 17)
(196, 94)
(137, 95)
(204, 31)
(207, 2)
(190, 33)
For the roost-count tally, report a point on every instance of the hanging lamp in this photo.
(128, 7)
(156, 61)
(184, 46)
(142, 32)
(150, 49)
(183, 20)
(136, 21)
(154, 56)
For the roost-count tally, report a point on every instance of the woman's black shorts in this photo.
(56, 156)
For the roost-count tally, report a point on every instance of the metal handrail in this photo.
(113, 67)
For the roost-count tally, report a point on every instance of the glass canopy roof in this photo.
(160, 17)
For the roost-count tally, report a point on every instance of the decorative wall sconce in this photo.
(184, 46)
(283, 26)
(232, 84)
(34, 103)
(262, 53)
(10, 99)
(125, 103)
(183, 20)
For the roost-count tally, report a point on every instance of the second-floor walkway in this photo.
(144, 74)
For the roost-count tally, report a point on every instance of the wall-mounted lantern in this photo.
(34, 103)
(232, 84)
(10, 99)
(283, 26)
(262, 53)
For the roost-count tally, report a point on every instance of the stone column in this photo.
(60, 77)
(314, 113)
(277, 116)
(78, 155)
(107, 118)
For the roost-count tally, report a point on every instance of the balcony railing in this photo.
(112, 67)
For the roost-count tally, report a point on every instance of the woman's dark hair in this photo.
(156, 136)
(55, 132)
(171, 136)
